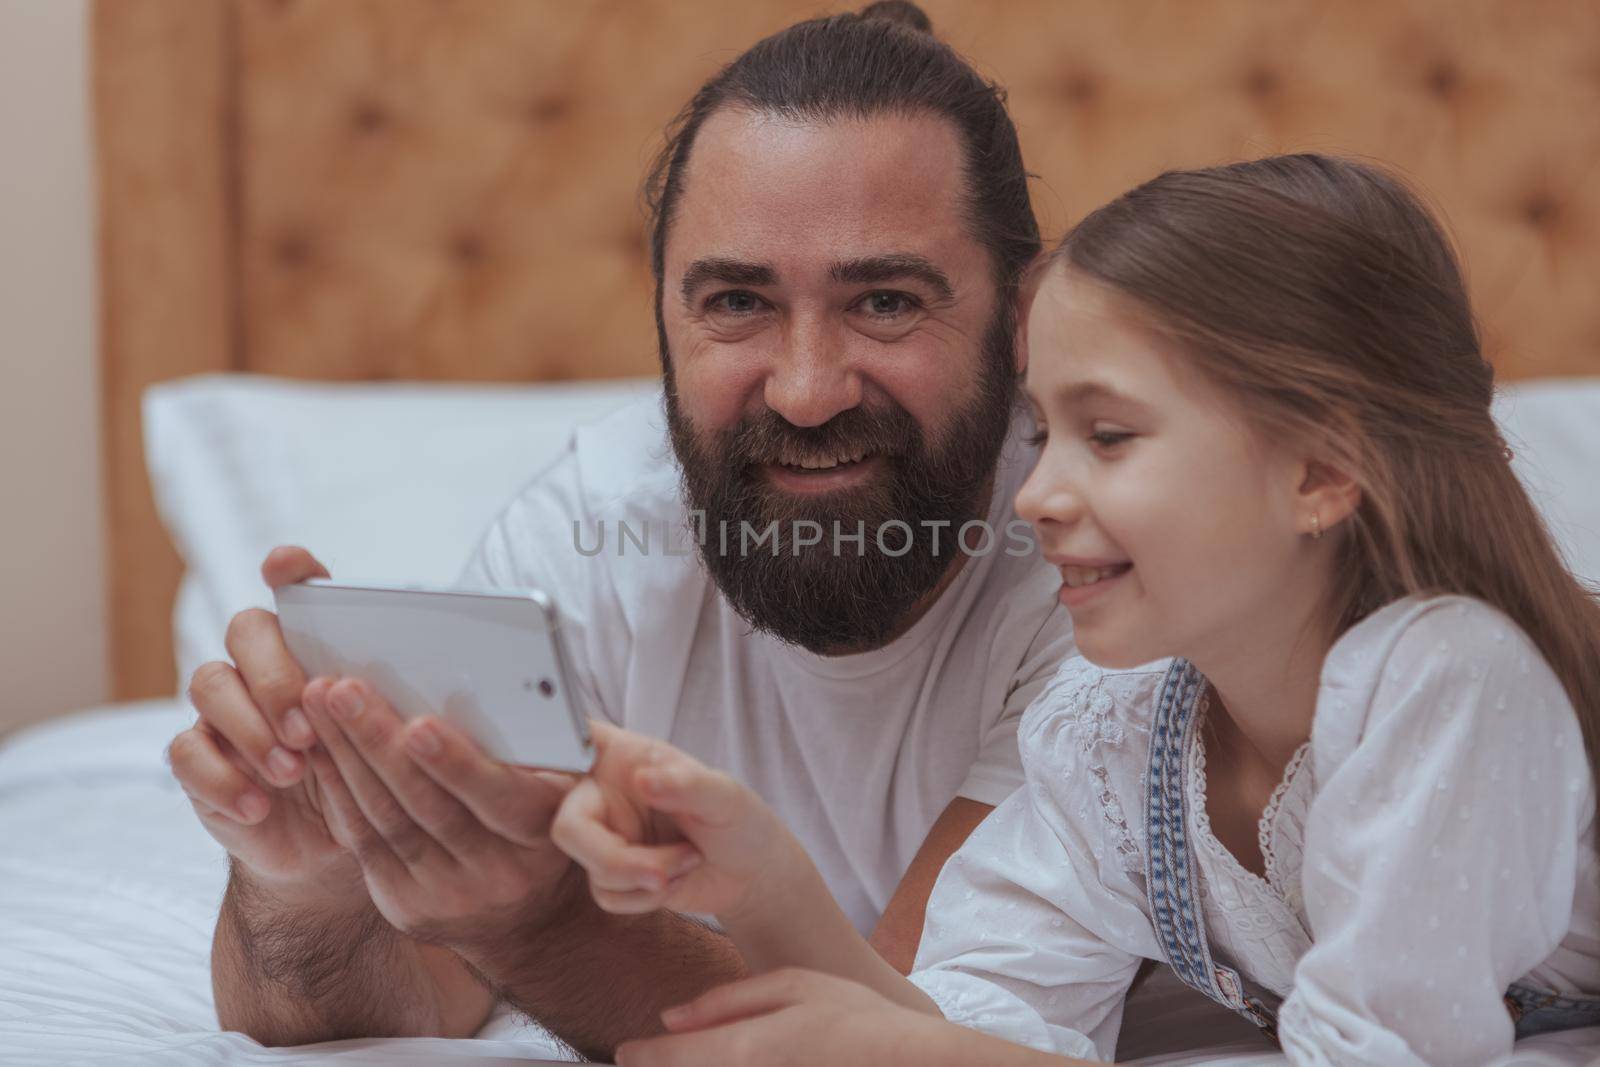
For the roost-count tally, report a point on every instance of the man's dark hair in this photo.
(883, 59)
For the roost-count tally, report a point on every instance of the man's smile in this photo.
(811, 476)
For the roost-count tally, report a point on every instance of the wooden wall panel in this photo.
(449, 189)
(161, 131)
(1493, 109)
(431, 189)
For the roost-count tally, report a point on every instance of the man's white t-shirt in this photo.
(859, 754)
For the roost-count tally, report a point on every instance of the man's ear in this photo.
(1021, 333)
(1022, 303)
(1327, 496)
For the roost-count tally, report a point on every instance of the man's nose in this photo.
(813, 379)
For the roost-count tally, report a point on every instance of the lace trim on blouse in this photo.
(1089, 721)
(1265, 834)
(1256, 922)
(1264, 825)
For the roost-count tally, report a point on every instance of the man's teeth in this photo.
(812, 463)
(1081, 576)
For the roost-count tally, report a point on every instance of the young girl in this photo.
(1354, 800)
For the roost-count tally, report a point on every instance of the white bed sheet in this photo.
(109, 887)
(109, 891)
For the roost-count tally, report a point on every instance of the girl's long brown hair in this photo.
(1323, 296)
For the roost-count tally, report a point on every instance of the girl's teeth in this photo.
(1077, 577)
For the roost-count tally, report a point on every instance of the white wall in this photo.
(52, 596)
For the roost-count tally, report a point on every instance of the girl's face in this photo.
(1175, 530)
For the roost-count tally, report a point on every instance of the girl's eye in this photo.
(887, 304)
(1039, 436)
(735, 302)
(1108, 439)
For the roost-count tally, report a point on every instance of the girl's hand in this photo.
(655, 828)
(794, 1016)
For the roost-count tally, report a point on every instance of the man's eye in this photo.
(888, 304)
(736, 302)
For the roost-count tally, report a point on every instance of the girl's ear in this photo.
(1327, 496)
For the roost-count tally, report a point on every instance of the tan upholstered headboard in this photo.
(362, 189)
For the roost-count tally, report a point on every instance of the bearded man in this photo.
(823, 588)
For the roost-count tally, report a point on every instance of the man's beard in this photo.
(844, 596)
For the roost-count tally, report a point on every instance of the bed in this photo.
(108, 885)
(317, 215)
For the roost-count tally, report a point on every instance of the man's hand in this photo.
(455, 849)
(454, 845)
(243, 763)
(300, 954)
(656, 828)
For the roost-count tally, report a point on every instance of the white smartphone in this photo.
(489, 661)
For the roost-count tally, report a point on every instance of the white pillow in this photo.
(382, 482)
(396, 482)
(1553, 427)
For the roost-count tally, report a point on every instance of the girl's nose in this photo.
(1048, 496)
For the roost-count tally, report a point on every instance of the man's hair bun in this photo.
(902, 12)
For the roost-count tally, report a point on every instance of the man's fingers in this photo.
(378, 733)
(209, 777)
(516, 803)
(378, 805)
(614, 864)
(339, 809)
(760, 995)
(349, 825)
(288, 564)
(219, 694)
(271, 673)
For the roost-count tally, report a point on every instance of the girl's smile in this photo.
(1082, 580)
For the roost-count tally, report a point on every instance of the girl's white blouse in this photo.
(1431, 844)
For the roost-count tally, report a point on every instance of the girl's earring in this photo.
(1316, 527)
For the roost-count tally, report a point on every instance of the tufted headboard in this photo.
(431, 189)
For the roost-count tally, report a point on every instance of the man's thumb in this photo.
(288, 564)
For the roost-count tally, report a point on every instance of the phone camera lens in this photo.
(547, 687)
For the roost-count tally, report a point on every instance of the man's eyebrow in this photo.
(873, 269)
(726, 271)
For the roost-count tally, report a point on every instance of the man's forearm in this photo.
(596, 980)
(289, 973)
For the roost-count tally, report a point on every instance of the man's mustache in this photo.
(768, 437)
